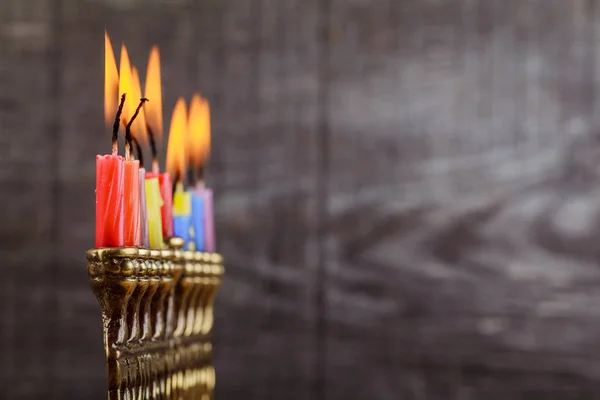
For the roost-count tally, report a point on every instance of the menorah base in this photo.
(157, 314)
(183, 371)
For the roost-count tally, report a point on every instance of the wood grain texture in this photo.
(405, 192)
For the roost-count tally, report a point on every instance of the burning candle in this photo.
(198, 145)
(176, 161)
(131, 190)
(154, 122)
(139, 135)
(109, 168)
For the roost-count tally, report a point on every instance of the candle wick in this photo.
(198, 180)
(191, 176)
(128, 138)
(115, 135)
(200, 173)
(177, 182)
(138, 150)
(127, 151)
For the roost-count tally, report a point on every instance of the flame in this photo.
(125, 86)
(176, 158)
(199, 131)
(138, 129)
(111, 82)
(153, 108)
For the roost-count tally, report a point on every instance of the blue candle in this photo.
(181, 228)
(198, 221)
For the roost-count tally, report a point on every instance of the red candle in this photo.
(166, 192)
(131, 204)
(109, 168)
(109, 200)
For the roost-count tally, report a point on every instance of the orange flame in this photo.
(176, 158)
(153, 92)
(111, 82)
(199, 131)
(139, 129)
(125, 86)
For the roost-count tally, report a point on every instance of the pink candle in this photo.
(209, 221)
(131, 203)
(143, 210)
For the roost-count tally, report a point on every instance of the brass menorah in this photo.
(157, 316)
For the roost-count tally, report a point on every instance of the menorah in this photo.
(157, 317)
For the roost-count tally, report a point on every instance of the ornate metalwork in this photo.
(157, 317)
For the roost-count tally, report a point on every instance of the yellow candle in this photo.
(182, 201)
(154, 202)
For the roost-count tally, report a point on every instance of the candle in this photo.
(182, 214)
(131, 190)
(138, 130)
(209, 224)
(165, 188)
(154, 123)
(144, 240)
(176, 161)
(153, 203)
(109, 201)
(131, 205)
(109, 168)
(199, 148)
(198, 220)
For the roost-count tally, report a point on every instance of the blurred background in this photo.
(407, 192)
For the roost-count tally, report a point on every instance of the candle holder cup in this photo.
(157, 317)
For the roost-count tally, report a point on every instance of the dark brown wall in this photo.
(406, 192)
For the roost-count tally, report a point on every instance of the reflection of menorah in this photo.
(157, 314)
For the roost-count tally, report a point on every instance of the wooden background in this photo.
(407, 192)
